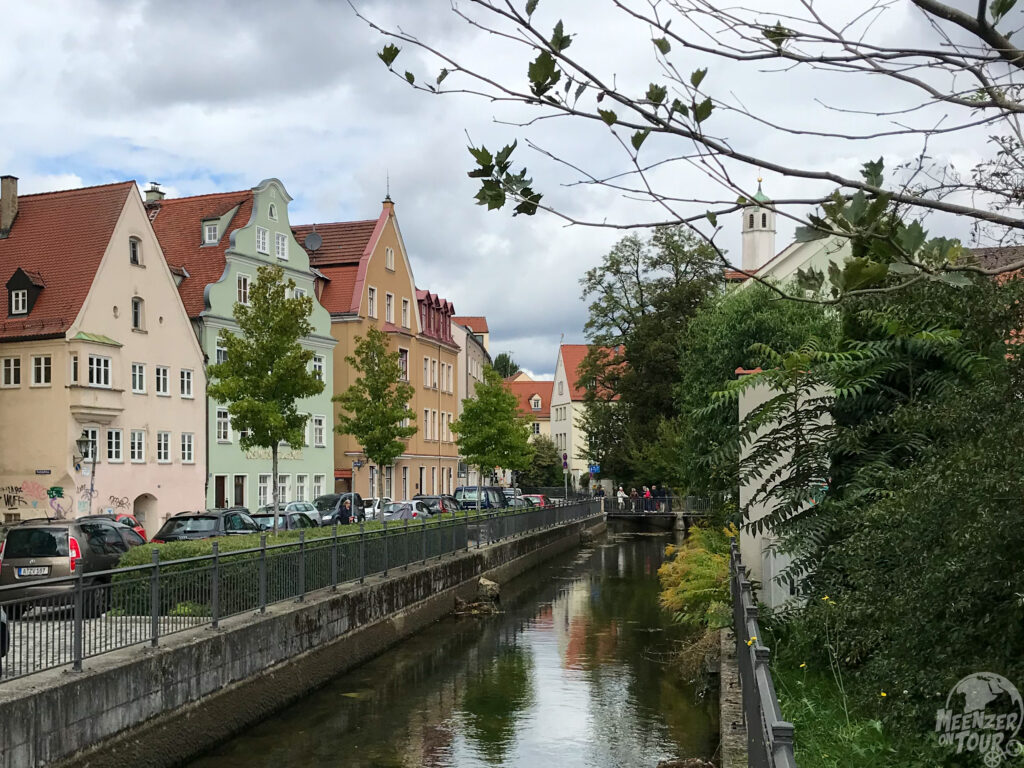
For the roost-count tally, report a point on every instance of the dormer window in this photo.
(23, 290)
(135, 251)
(535, 403)
(19, 302)
(211, 232)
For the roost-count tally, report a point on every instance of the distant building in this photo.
(567, 408)
(478, 327)
(472, 359)
(534, 403)
(520, 376)
(94, 342)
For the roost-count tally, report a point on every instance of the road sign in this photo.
(565, 465)
(595, 469)
(565, 457)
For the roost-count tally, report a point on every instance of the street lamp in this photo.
(86, 447)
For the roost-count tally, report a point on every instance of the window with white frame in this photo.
(188, 441)
(389, 307)
(371, 301)
(536, 427)
(433, 425)
(137, 446)
(403, 363)
(426, 423)
(162, 380)
(93, 436)
(223, 426)
(319, 439)
(12, 371)
(73, 368)
(284, 483)
(261, 240)
(535, 403)
(114, 446)
(300, 487)
(163, 447)
(405, 313)
(272, 211)
(138, 314)
(186, 382)
(221, 352)
(389, 259)
(433, 373)
(19, 302)
(318, 367)
(426, 371)
(134, 251)
(318, 485)
(41, 371)
(306, 429)
(99, 371)
(242, 282)
(211, 233)
(139, 378)
(263, 490)
(281, 245)
(299, 293)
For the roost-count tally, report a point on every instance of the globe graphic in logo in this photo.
(983, 714)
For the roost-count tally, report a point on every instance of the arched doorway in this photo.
(144, 510)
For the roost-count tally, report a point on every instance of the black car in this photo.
(333, 509)
(190, 526)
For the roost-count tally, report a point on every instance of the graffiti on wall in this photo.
(121, 502)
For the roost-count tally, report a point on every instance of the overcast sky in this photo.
(214, 96)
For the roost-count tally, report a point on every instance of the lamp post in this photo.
(84, 444)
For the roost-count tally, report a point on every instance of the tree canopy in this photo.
(505, 365)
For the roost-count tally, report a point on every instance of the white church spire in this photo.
(758, 232)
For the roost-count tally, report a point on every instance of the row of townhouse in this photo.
(115, 306)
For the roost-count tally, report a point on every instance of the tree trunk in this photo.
(273, 479)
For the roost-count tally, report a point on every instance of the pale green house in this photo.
(215, 245)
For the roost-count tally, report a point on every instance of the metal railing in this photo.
(75, 618)
(769, 737)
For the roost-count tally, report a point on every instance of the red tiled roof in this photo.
(338, 295)
(525, 390)
(178, 225)
(572, 356)
(475, 324)
(343, 241)
(733, 274)
(58, 239)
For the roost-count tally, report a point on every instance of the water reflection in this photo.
(570, 675)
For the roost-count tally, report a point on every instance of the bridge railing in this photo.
(769, 737)
(67, 620)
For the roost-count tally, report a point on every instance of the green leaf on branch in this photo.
(678, 106)
(559, 40)
(872, 172)
(712, 218)
(656, 93)
(608, 116)
(481, 155)
(531, 6)
(410, 77)
(777, 35)
(662, 45)
(806, 234)
(958, 279)
(697, 77)
(442, 76)
(389, 53)
(702, 111)
(902, 268)
(543, 74)
(529, 203)
(638, 139)
(501, 159)
(912, 237)
(491, 194)
(1000, 8)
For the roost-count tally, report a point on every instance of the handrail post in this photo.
(334, 557)
(77, 630)
(362, 552)
(384, 522)
(215, 586)
(466, 523)
(302, 565)
(423, 527)
(154, 598)
(263, 573)
(405, 535)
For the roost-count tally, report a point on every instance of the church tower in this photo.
(758, 232)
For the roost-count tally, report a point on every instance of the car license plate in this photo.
(38, 571)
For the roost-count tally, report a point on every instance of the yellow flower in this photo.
(752, 640)
(804, 665)
(826, 597)
(883, 694)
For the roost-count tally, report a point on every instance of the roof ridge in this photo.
(335, 223)
(205, 195)
(73, 190)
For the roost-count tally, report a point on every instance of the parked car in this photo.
(35, 553)
(538, 498)
(491, 497)
(305, 507)
(125, 519)
(286, 521)
(190, 526)
(131, 536)
(439, 504)
(519, 502)
(412, 509)
(372, 506)
(332, 508)
(512, 492)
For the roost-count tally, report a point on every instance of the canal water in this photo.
(571, 674)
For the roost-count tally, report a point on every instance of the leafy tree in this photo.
(267, 369)
(545, 467)
(505, 365)
(376, 405)
(491, 431)
(961, 65)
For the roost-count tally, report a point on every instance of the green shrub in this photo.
(695, 578)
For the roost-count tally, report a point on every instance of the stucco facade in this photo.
(252, 230)
(567, 410)
(100, 374)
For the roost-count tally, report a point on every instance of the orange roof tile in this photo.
(572, 357)
(343, 241)
(525, 390)
(338, 295)
(178, 225)
(59, 238)
(475, 324)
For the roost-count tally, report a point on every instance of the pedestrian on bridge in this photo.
(634, 500)
(648, 503)
(621, 496)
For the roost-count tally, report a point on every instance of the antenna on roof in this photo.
(387, 185)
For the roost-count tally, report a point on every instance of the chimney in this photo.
(154, 194)
(8, 203)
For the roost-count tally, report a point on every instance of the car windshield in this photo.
(463, 494)
(325, 503)
(395, 507)
(267, 520)
(36, 542)
(189, 525)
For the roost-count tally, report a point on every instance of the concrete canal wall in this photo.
(144, 706)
